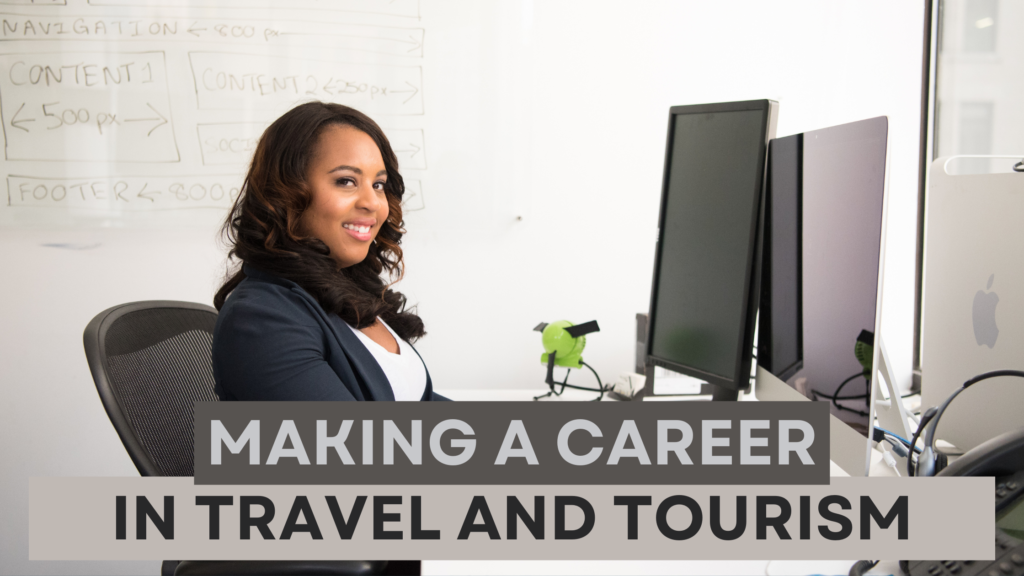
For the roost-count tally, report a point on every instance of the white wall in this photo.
(587, 93)
(554, 111)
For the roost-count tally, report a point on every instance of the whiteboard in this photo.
(126, 112)
(554, 111)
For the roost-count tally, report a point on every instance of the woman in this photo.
(307, 315)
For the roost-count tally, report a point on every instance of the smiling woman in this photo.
(347, 179)
(306, 315)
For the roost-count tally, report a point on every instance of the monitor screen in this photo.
(843, 188)
(704, 275)
(780, 320)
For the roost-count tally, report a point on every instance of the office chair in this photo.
(151, 362)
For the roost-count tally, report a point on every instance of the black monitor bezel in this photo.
(766, 320)
(740, 379)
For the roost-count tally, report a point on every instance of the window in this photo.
(977, 18)
(973, 97)
(979, 79)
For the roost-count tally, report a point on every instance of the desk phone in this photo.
(1002, 457)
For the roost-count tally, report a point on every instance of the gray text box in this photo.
(634, 428)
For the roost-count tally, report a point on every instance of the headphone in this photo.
(930, 462)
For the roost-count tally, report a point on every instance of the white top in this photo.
(405, 370)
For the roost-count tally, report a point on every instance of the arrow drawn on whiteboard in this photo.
(414, 91)
(147, 195)
(412, 39)
(418, 44)
(161, 119)
(71, 245)
(414, 152)
(192, 29)
(15, 122)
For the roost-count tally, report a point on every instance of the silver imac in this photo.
(843, 187)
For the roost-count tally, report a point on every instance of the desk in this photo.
(528, 394)
(845, 445)
(567, 567)
(678, 567)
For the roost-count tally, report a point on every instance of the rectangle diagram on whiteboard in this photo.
(35, 2)
(233, 143)
(231, 81)
(402, 8)
(413, 201)
(391, 40)
(117, 194)
(100, 106)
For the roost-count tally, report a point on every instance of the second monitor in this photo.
(832, 183)
(706, 271)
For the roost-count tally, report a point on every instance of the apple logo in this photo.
(985, 329)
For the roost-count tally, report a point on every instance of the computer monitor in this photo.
(706, 272)
(839, 176)
(843, 187)
(780, 347)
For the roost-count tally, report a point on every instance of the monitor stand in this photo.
(718, 394)
(890, 413)
(722, 395)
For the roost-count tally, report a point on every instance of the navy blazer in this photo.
(273, 341)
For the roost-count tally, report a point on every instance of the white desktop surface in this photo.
(609, 567)
(652, 567)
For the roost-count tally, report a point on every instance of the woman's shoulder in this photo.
(268, 333)
(263, 302)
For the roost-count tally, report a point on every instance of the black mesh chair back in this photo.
(151, 362)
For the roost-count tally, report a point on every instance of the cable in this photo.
(829, 396)
(925, 419)
(574, 387)
(589, 367)
(862, 566)
(600, 387)
(564, 383)
(839, 406)
(929, 439)
(857, 397)
(835, 395)
(889, 459)
(858, 412)
(844, 382)
(897, 436)
(898, 448)
(900, 445)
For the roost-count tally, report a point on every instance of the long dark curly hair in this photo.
(264, 227)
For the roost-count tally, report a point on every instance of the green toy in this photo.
(563, 346)
(558, 340)
(863, 350)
